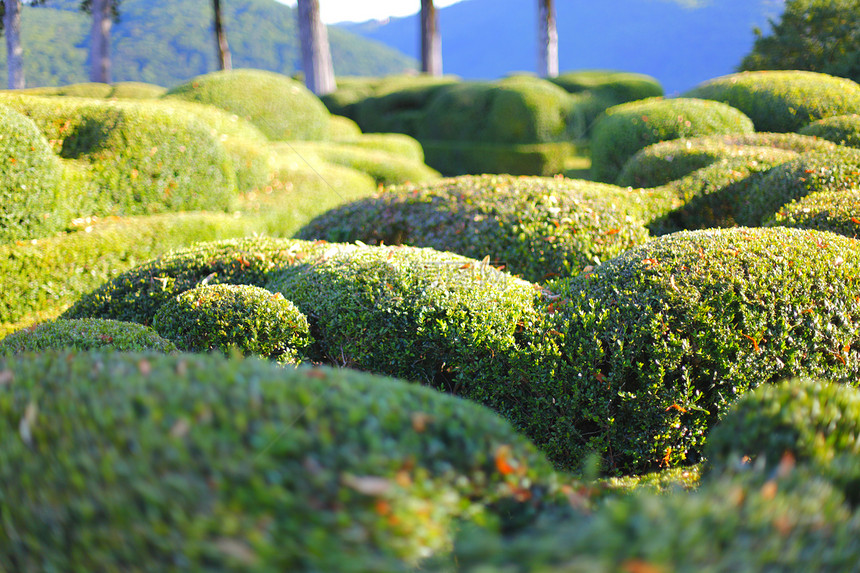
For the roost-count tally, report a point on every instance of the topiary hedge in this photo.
(441, 319)
(834, 211)
(86, 334)
(141, 461)
(667, 161)
(224, 316)
(136, 90)
(656, 343)
(840, 129)
(836, 170)
(811, 422)
(782, 101)
(143, 158)
(536, 227)
(30, 201)
(625, 129)
(137, 294)
(454, 158)
(280, 107)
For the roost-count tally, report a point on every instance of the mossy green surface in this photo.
(142, 461)
(84, 335)
(834, 211)
(386, 167)
(31, 204)
(536, 227)
(656, 343)
(454, 158)
(224, 317)
(280, 107)
(625, 129)
(783, 101)
(840, 129)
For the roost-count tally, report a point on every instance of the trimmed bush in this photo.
(714, 195)
(30, 203)
(343, 129)
(667, 161)
(137, 294)
(120, 462)
(143, 158)
(782, 101)
(394, 143)
(224, 316)
(386, 168)
(136, 90)
(94, 90)
(447, 321)
(280, 107)
(834, 211)
(536, 227)
(813, 422)
(789, 524)
(823, 171)
(454, 158)
(625, 129)
(840, 129)
(86, 334)
(657, 342)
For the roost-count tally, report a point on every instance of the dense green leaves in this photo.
(86, 334)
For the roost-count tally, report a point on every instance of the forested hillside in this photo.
(679, 42)
(166, 42)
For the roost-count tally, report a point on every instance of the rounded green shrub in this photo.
(343, 129)
(782, 101)
(393, 143)
(823, 171)
(441, 319)
(137, 294)
(136, 90)
(656, 343)
(834, 211)
(142, 461)
(625, 129)
(515, 110)
(224, 316)
(667, 161)
(840, 129)
(536, 227)
(811, 421)
(30, 204)
(86, 334)
(280, 107)
(394, 104)
(385, 167)
(95, 90)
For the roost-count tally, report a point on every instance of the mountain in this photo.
(679, 42)
(166, 42)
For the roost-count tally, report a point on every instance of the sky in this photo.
(333, 11)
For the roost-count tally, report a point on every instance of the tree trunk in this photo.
(547, 39)
(316, 57)
(225, 61)
(431, 40)
(14, 50)
(100, 41)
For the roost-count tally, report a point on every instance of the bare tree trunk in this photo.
(431, 40)
(316, 57)
(14, 49)
(100, 41)
(547, 39)
(225, 61)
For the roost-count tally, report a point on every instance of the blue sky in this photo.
(360, 10)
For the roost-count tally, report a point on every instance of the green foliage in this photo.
(93, 90)
(84, 335)
(245, 465)
(812, 422)
(280, 107)
(791, 523)
(343, 129)
(815, 35)
(142, 157)
(225, 316)
(834, 211)
(657, 342)
(437, 318)
(667, 161)
(453, 158)
(822, 171)
(535, 227)
(713, 196)
(137, 294)
(625, 129)
(394, 143)
(840, 129)
(136, 90)
(782, 101)
(30, 173)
